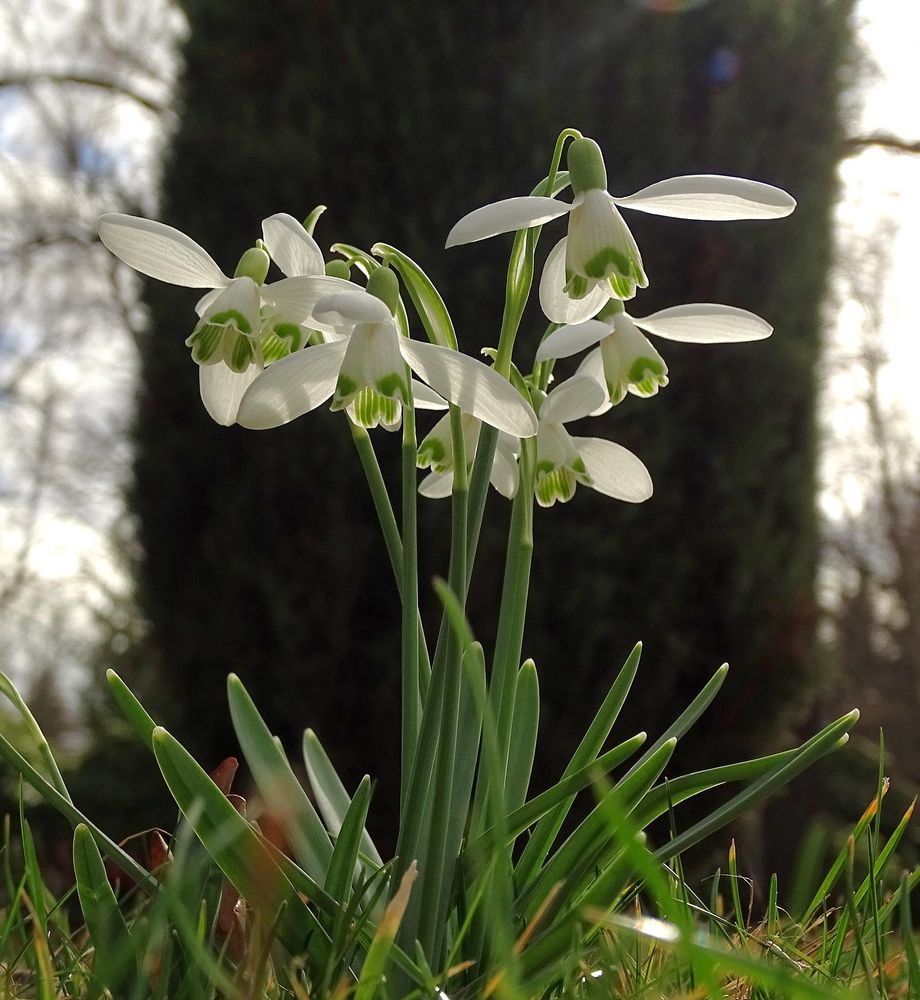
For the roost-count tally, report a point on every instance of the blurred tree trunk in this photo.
(261, 550)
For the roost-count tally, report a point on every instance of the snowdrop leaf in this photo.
(425, 297)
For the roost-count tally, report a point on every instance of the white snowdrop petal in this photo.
(291, 247)
(569, 340)
(593, 366)
(240, 296)
(471, 385)
(437, 485)
(706, 323)
(159, 251)
(711, 196)
(505, 217)
(295, 298)
(206, 300)
(557, 305)
(573, 399)
(222, 389)
(426, 398)
(504, 474)
(614, 470)
(352, 305)
(292, 386)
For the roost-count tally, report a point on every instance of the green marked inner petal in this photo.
(205, 343)
(369, 409)
(237, 350)
(232, 317)
(556, 485)
(609, 261)
(392, 385)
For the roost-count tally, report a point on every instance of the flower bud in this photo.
(384, 285)
(338, 269)
(253, 264)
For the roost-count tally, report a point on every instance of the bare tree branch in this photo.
(33, 78)
(882, 140)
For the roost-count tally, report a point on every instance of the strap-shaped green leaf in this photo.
(549, 825)
(332, 798)
(526, 720)
(9, 689)
(278, 784)
(590, 843)
(236, 848)
(64, 806)
(114, 953)
(348, 842)
(567, 788)
(425, 297)
(131, 708)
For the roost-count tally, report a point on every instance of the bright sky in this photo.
(880, 188)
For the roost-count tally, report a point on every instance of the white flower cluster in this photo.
(269, 352)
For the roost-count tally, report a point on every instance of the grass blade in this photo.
(115, 957)
(284, 796)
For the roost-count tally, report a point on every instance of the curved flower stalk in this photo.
(436, 452)
(600, 254)
(564, 461)
(626, 361)
(370, 365)
(243, 322)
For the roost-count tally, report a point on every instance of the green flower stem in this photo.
(411, 706)
(437, 875)
(517, 291)
(512, 613)
(391, 535)
(425, 813)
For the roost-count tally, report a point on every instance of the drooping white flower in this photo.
(372, 360)
(436, 452)
(243, 322)
(600, 252)
(564, 461)
(626, 361)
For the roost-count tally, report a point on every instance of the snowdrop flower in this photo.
(368, 368)
(626, 361)
(243, 322)
(437, 453)
(564, 461)
(600, 255)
